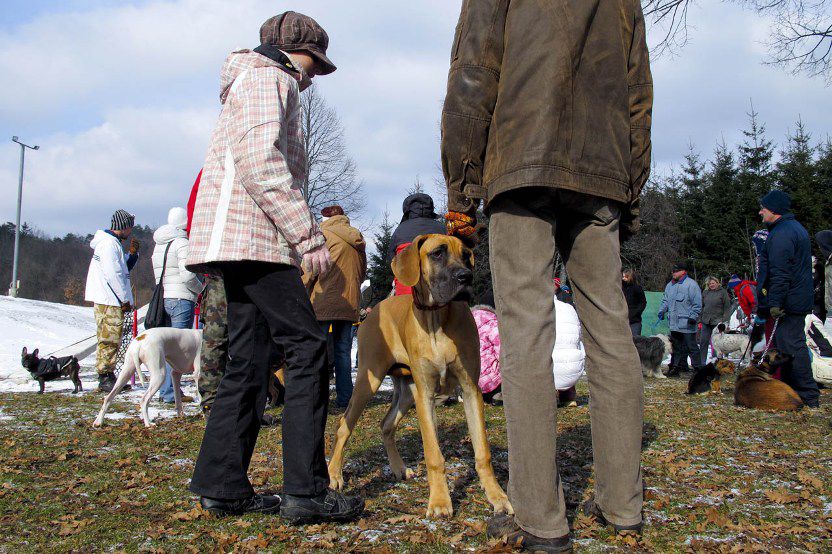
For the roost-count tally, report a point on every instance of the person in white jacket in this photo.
(568, 356)
(108, 288)
(181, 286)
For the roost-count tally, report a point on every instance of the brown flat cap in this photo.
(295, 32)
(332, 211)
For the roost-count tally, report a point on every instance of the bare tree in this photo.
(332, 175)
(800, 36)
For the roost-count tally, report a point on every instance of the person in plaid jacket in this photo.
(252, 226)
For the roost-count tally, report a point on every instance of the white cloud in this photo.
(122, 98)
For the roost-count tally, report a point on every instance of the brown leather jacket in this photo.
(554, 93)
(336, 295)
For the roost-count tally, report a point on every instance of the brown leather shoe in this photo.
(591, 509)
(503, 525)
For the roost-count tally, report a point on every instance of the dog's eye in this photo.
(437, 254)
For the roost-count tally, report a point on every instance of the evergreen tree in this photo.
(723, 246)
(796, 174)
(379, 272)
(688, 196)
(823, 170)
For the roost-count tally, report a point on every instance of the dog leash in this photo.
(768, 344)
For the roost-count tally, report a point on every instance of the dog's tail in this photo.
(135, 360)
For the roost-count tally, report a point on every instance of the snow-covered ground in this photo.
(42, 325)
(51, 327)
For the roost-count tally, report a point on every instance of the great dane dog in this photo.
(427, 343)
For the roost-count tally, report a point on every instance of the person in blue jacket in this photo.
(682, 305)
(785, 289)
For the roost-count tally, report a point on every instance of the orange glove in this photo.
(460, 225)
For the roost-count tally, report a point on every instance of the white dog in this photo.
(178, 347)
(725, 344)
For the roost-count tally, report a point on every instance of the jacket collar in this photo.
(785, 217)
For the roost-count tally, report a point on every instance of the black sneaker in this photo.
(256, 504)
(673, 372)
(503, 526)
(591, 509)
(330, 505)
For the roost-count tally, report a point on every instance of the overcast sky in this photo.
(121, 96)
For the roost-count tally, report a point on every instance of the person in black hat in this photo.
(682, 305)
(785, 289)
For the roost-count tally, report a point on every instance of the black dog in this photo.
(51, 369)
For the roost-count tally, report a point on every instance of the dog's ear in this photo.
(35, 353)
(25, 351)
(721, 327)
(407, 265)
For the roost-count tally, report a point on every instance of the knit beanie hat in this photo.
(734, 281)
(122, 220)
(777, 201)
(680, 266)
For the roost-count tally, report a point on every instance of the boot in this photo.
(674, 371)
(330, 505)
(106, 381)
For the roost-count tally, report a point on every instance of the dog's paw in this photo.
(660, 375)
(403, 473)
(336, 481)
(502, 505)
(98, 423)
(440, 508)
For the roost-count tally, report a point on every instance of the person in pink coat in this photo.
(490, 379)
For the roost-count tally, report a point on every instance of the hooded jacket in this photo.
(785, 279)
(418, 218)
(636, 301)
(179, 282)
(548, 94)
(108, 279)
(250, 204)
(336, 295)
(824, 240)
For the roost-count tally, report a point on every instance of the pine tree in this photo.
(723, 246)
(823, 170)
(380, 273)
(688, 195)
(796, 175)
(756, 176)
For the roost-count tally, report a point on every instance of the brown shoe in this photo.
(504, 526)
(591, 509)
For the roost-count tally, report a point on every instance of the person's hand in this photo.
(126, 307)
(134, 246)
(460, 225)
(317, 260)
(692, 321)
(777, 313)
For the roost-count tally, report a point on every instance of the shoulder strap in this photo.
(165, 264)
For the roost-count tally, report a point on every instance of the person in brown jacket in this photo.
(547, 119)
(336, 295)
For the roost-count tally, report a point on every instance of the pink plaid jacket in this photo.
(250, 204)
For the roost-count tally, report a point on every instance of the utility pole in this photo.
(23, 147)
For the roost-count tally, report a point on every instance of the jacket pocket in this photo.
(460, 28)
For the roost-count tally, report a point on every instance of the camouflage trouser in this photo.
(108, 325)
(214, 355)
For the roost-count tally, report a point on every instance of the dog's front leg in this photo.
(42, 384)
(439, 503)
(176, 377)
(475, 415)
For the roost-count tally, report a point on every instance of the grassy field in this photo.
(718, 478)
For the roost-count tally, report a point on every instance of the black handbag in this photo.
(156, 315)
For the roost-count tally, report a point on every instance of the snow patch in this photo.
(35, 324)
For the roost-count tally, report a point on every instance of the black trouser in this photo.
(790, 338)
(684, 345)
(265, 302)
(705, 340)
(635, 328)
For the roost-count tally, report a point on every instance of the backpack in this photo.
(156, 315)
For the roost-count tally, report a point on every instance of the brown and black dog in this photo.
(427, 343)
(707, 379)
(756, 388)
